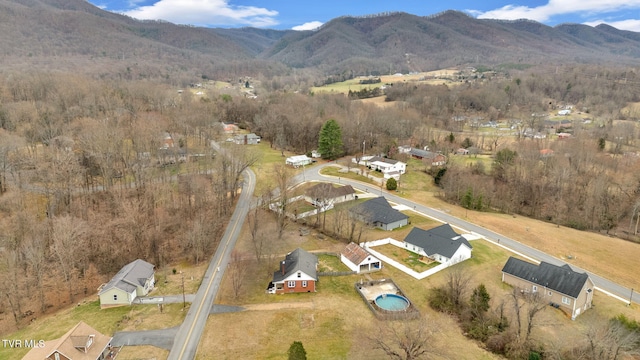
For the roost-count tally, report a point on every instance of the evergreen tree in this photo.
(392, 184)
(330, 140)
(297, 351)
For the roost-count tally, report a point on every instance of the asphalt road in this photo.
(602, 284)
(185, 344)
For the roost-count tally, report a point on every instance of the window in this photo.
(549, 293)
(299, 275)
(566, 300)
(291, 284)
(304, 283)
(534, 288)
(115, 297)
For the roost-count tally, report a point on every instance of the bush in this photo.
(297, 351)
(392, 184)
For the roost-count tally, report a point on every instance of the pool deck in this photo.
(371, 292)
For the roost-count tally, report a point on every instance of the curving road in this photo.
(185, 344)
(602, 284)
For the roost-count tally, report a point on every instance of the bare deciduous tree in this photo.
(406, 340)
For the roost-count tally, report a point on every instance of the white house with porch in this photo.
(441, 244)
(358, 259)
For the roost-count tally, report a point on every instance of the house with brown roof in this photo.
(358, 259)
(82, 342)
(562, 287)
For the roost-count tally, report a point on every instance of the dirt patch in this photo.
(279, 306)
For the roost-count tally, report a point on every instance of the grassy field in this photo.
(406, 257)
(344, 87)
(107, 321)
(335, 171)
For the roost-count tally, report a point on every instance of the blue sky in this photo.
(303, 15)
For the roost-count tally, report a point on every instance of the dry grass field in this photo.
(334, 322)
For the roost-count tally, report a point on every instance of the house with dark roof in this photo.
(435, 158)
(379, 213)
(82, 342)
(358, 259)
(441, 244)
(137, 278)
(298, 272)
(562, 287)
(325, 195)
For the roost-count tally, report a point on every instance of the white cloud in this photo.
(630, 24)
(205, 13)
(312, 25)
(557, 7)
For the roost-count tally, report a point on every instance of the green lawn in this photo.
(106, 321)
(328, 263)
(406, 257)
(335, 171)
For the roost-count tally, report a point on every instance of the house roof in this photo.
(329, 191)
(297, 158)
(248, 136)
(355, 253)
(384, 160)
(439, 240)
(72, 344)
(131, 276)
(558, 278)
(378, 210)
(297, 260)
(423, 153)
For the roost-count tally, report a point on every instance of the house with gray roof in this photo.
(562, 287)
(324, 195)
(298, 272)
(435, 158)
(137, 278)
(441, 244)
(247, 139)
(379, 213)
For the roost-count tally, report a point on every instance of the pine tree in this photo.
(330, 140)
(297, 351)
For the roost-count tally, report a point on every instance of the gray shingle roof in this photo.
(423, 153)
(378, 210)
(297, 260)
(558, 278)
(131, 276)
(329, 191)
(439, 240)
(382, 159)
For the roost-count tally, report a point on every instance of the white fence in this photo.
(369, 244)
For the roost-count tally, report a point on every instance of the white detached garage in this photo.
(359, 260)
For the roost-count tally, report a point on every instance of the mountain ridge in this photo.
(40, 30)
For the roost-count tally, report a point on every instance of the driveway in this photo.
(165, 299)
(159, 338)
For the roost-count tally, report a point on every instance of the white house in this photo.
(358, 259)
(564, 112)
(137, 278)
(298, 160)
(441, 244)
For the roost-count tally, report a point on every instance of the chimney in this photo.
(282, 267)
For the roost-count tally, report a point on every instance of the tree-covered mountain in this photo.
(73, 34)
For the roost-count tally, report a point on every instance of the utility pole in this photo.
(184, 302)
(631, 297)
(363, 142)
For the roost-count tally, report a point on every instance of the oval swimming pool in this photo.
(392, 302)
